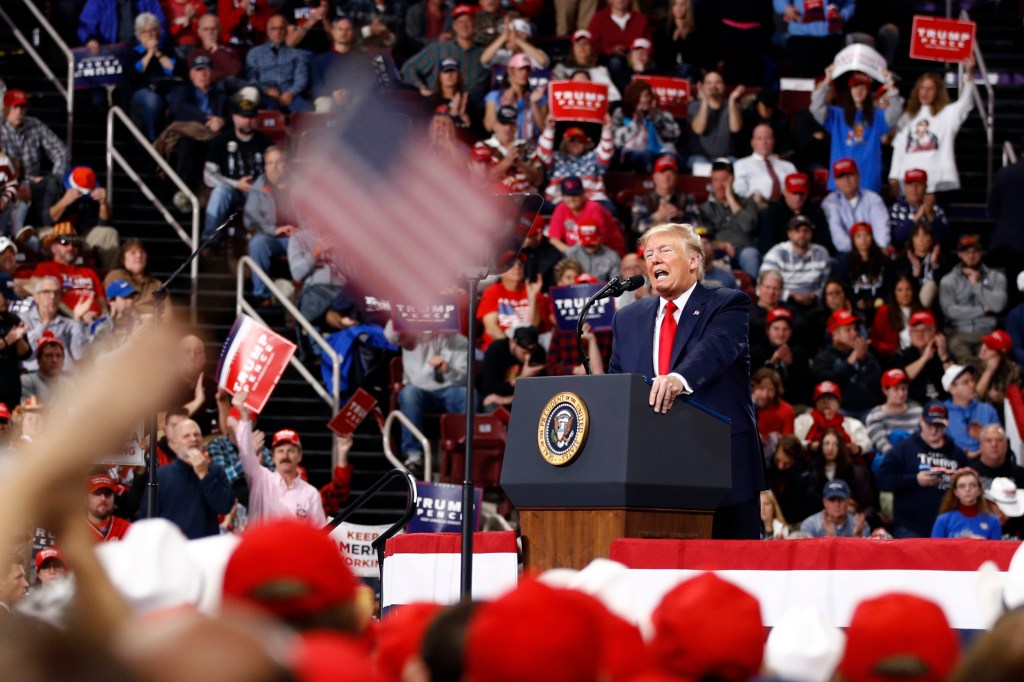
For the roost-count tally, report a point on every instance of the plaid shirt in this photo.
(421, 69)
(335, 494)
(285, 68)
(222, 452)
(28, 142)
(563, 355)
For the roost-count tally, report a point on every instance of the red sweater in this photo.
(607, 35)
(885, 340)
(777, 418)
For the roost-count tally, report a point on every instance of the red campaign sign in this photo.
(352, 413)
(941, 40)
(578, 101)
(253, 359)
(673, 93)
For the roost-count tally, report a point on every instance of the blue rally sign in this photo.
(569, 301)
(439, 509)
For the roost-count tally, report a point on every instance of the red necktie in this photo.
(776, 189)
(666, 338)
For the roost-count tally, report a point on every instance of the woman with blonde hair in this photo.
(927, 131)
(964, 511)
(773, 523)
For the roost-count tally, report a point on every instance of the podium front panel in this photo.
(632, 457)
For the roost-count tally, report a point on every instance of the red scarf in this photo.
(821, 424)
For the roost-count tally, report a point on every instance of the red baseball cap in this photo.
(574, 132)
(923, 317)
(590, 235)
(828, 388)
(841, 318)
(998, 341)
(463, 9)
(899, 636)
(916, 175)
(15, 98)
(709, 628)
(894, 377)
(859, 78)
(50, 553)
(640, 44)
(5, 412)
(582, 34)
(296, 556)
(328, 656)
(860, 227)
(46, 339)
(514, 638)
(776, 314)
(666, 162)
(101, 481)
(286, 436)
(797, 183)
(481, 152)
(399, 638)
(586, 278)
(844, 167)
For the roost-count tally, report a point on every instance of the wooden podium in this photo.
(638, 474)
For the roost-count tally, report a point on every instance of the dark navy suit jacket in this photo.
(711, 352)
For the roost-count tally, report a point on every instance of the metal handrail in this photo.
(68, 91)
(378, 543)
(1009, 153)
(114, 155)
(417, 434)
(243, 306)
(987, 108)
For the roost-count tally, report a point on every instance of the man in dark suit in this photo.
(707, 358)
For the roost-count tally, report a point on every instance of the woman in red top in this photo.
(890, 331)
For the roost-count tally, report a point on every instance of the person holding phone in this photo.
(918, 471)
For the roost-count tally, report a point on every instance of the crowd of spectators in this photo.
(882, 341)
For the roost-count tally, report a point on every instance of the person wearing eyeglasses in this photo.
(81, 291)
(41, 314)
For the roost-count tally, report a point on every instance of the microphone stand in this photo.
(159, 297)
(583, 318)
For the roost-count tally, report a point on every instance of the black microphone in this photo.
(617, 286)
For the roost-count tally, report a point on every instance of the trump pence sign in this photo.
(578, 101)
(252, 360)
(941, 40)
(673, 93)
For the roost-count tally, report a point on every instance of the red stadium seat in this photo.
(272, 124)
(488, 449)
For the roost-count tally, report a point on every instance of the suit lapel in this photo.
(688, 320)
(648, 320)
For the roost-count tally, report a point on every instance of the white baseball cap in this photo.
(6, 243)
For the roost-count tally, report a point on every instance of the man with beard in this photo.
(233, 160)
(774, 220)
(99, 510)
(925, 359)
(789, 360)
(280, 492)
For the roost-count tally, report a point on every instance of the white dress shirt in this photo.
(680, 302)
(752, 176)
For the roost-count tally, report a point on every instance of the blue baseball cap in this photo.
(120, 288)
(836, 489)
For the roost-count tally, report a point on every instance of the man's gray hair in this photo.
(146, 20)
(686, 235)
(39, 283)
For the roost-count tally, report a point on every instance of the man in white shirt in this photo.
(760, 175)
